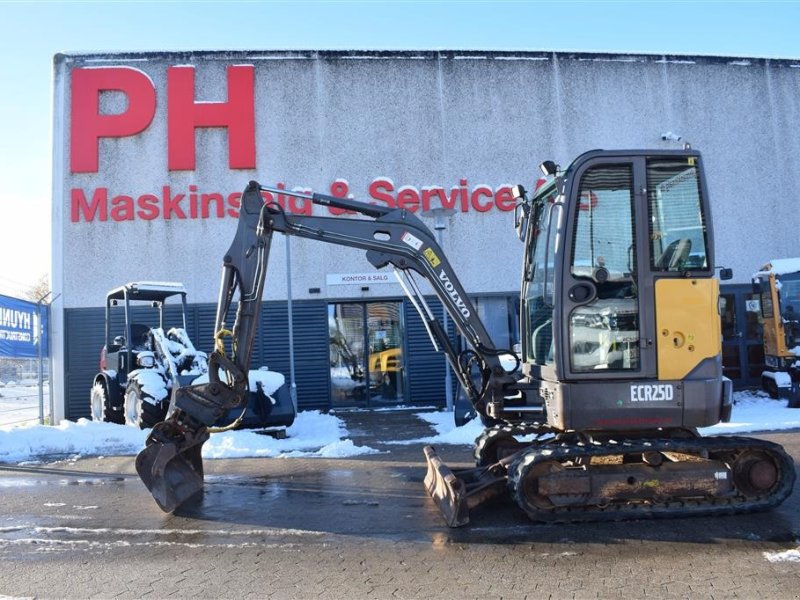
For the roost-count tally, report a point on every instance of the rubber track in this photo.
(561, 452)
(516, 430)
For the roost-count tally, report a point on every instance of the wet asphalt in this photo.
(360, 527)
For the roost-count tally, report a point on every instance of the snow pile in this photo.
(152, 382)
(313, 434)
(270, 380)
(31, 442)
(785, 556)
(446, 431)
(780, 266)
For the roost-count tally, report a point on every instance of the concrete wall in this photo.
(424, 119)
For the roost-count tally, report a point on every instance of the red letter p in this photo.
(87, 125)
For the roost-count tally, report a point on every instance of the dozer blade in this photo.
(457, 492)
(171, 466)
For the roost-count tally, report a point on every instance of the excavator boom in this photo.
(171, 464)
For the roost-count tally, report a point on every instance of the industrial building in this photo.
(153, 150)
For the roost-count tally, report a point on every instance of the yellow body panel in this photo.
(774, 329)
(688, 327)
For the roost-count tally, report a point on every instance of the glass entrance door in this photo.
(385, 335)
(365, 342)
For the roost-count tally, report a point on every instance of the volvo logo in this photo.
(454, 295)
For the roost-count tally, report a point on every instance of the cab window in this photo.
(677, 223)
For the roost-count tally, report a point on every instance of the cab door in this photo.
(607, 286)
(639, 293)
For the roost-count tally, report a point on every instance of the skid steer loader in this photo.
(620, 353)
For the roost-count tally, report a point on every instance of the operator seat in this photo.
(140, 336)
(674, 255)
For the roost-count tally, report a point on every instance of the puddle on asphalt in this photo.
(20, 482)
(28, 482)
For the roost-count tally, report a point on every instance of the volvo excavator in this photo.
(621, 349)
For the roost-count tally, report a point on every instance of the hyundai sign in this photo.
(19, 329)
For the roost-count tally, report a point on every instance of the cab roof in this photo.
(147, 291)
(780, 266)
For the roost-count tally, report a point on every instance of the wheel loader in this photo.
(621, 349)
(141, 363)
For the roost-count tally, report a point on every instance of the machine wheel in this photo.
(140, 412)
(493, 444)
(770, 386)
(523, 485)
(100, 405)
(755, 473)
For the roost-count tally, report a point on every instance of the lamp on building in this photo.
(439, 214)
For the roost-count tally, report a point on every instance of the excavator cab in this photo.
(620, 329)
(621, 345)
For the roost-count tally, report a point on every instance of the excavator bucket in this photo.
(457, 492)
(172, 470)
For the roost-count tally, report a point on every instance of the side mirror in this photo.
(119, 340)
(757, 286)
(725, 274)
(521, 212)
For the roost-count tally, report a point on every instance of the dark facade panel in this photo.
(425, 365)
(311, 359)
(84, 329)
(85, 332)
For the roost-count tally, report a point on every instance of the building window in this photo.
(365, 342)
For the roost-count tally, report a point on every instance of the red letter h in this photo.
(185, 115)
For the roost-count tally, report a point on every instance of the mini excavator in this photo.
(621, 349)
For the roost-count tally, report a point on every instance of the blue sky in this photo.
(32, 32)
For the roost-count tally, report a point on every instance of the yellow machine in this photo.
(778, 283)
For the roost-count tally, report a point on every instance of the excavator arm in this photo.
(171, 464)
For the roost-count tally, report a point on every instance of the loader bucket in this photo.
(171, 473)
(457, 492)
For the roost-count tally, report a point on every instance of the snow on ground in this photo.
(785, 556)
(755, 411)
(313, 434)
(752, 411)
